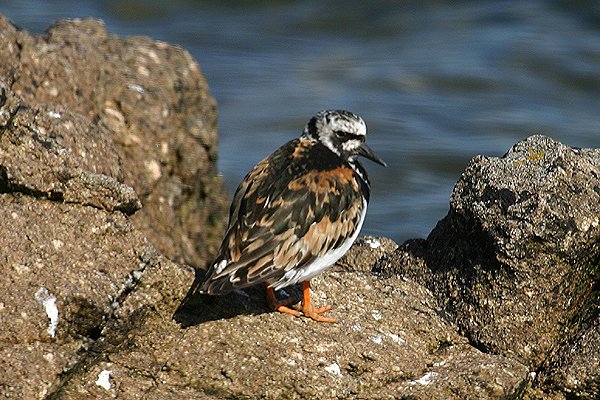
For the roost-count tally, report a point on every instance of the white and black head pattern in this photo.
(342, 132)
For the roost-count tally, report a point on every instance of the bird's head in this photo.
(342, 132)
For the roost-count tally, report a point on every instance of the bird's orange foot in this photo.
(305, 308)
(315, 313)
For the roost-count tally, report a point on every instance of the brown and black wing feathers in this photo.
(282, 216)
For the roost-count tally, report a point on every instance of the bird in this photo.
(296, 213)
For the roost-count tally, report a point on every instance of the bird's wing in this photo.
(285, 223)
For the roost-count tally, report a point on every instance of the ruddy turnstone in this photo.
(297, 212)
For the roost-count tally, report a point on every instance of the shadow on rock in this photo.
(197, 308)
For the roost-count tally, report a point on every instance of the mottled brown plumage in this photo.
(297, 212)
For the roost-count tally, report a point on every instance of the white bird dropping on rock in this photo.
(49, 302)
(104, 379)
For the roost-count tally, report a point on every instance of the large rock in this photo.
(69, 183)
(515, 262)
(153, 100)
(69, 251)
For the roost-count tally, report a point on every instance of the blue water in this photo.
(436, 82)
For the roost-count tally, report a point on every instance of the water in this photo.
(436, 82)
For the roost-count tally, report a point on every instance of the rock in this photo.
(154, 103)
(64, 267)
(574, 370)
(36, 158)
(515, 261)
(391, 342)
(72, 257)
(69, 252)
(367, 252)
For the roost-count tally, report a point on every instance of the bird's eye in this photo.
(341, 134)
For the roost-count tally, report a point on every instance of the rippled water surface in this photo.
(436, 82)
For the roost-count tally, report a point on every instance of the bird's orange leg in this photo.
(280, 306)
(307, 308)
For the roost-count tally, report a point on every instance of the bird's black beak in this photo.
(366, 152)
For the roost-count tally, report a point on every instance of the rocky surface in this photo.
(91, 127)
(154, 109)
(515, 262)
(500, 302)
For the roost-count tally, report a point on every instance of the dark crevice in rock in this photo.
(6, 186)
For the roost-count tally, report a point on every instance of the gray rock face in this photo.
(515, 262)
(500, 302)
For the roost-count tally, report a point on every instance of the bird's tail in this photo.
(194, 299)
